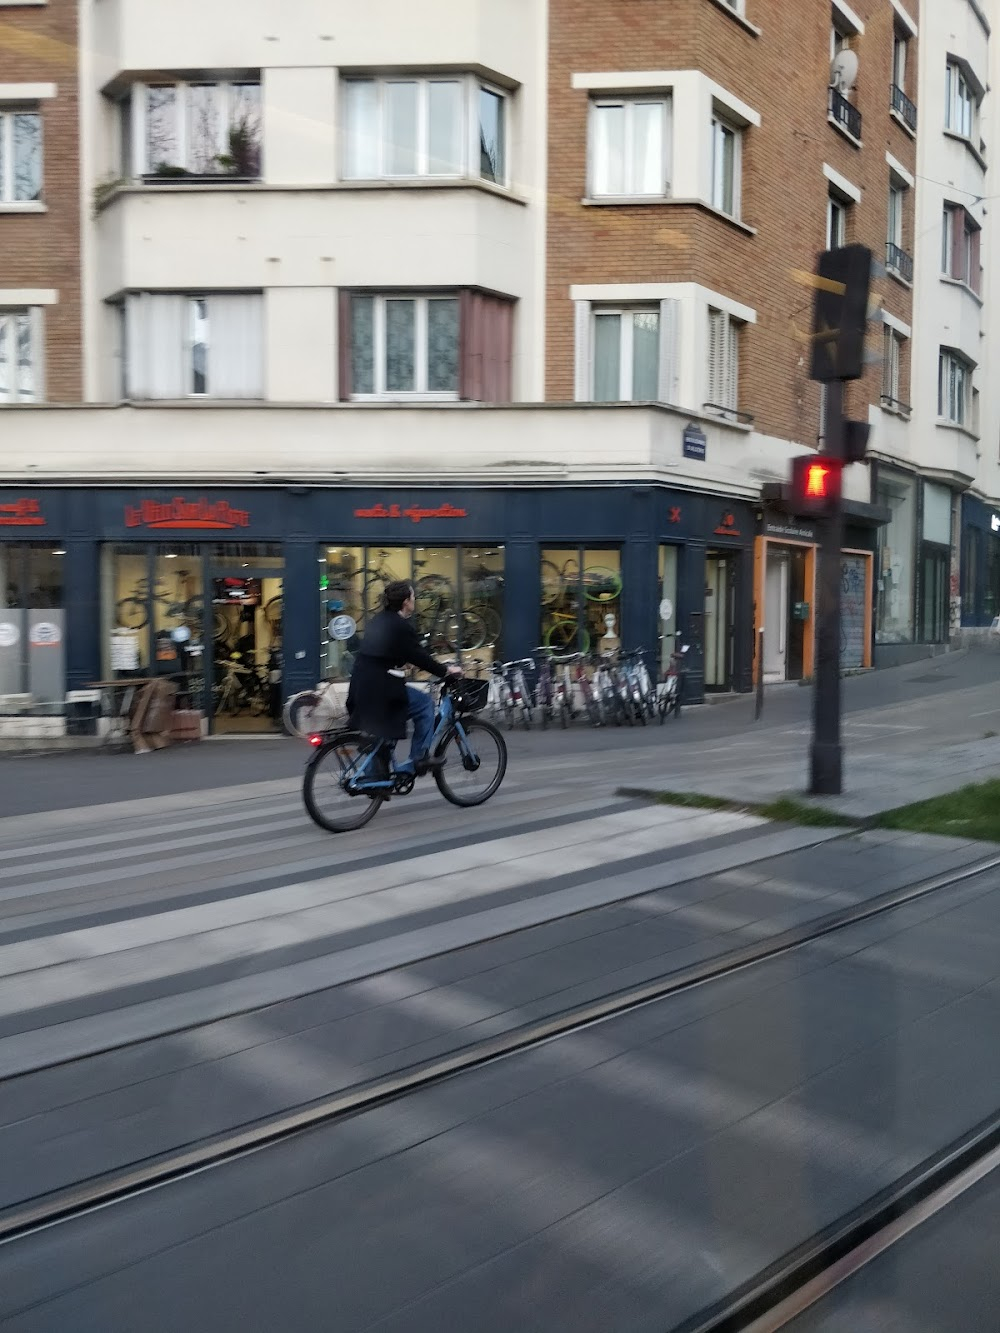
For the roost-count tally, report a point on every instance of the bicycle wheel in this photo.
(477, 761)
(325, 790)
(296, 716)
(132, 613)
(552, 583)
(562, 635)
(563, 705)
(601, 584)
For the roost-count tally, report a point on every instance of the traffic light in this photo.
(840, 313)
(817, 481)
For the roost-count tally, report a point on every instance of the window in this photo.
(192, 129)
(892, 365)
(20, 157)
(33, 620)
(960, 101)
(960, 247)
(836, 222)
(899, 52)
(204, 346)
(955, 389)
(626, 356)
(20, 356)
(897, 260)
(408, 126)
(629, 147)
(459, 594)
(723, 361)
(894, 228)
(581, 599)
(725, 167)
(897, 492)
(404, 345)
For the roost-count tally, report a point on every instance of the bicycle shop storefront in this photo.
(243, 596)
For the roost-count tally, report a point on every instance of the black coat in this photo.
(376, 701)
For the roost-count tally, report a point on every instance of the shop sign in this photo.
(675, 514)
(44, 634)
(415, 513)
(179, 513)
(342, 628)
(694, 442)
(9, 634)
(728, 527)
(995, 522)
(791, 531)
(666, 610)
(23, 513)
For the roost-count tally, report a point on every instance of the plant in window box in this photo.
(243, 158)
(169, 171)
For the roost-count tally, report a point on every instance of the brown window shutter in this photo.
(975, 263)
(486, 332)
(958, 254)
(344, 386)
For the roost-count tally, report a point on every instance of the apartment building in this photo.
(40, 308)
(701, 155)
(511, 299)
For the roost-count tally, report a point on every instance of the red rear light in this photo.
(315, 740)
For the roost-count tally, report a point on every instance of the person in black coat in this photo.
(379, 700)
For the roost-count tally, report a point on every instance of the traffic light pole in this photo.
(826, 753)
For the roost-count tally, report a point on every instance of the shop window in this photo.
(32, 627)
(972, 566)
(897, 554)
(153, 604)
(668, 604)
(459, 598)
(581, 599)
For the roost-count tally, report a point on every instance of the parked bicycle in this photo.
(350, 774)
(132, 611)
(670, 694)
(310, 711)
(508, 697)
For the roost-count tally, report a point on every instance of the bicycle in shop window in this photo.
(442, 625)
(564, 631)
(186, 607)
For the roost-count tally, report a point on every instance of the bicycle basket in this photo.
(469, 696)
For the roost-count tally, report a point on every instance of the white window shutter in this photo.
(716, 355)
(668, 376)
(584, 355)
(732, 386)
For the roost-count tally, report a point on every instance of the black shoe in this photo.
(431, 764)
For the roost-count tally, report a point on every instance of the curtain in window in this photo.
(607, 358)
(645, 356)
(647, 148)
(444, 116)
(442, 346)
(156, 329)
(609, 150)
(236, 342)
(668, 382)
(27, 157)
(400, 128)
(361, 159)
(400, 351)
(6, 359)
(360, 336)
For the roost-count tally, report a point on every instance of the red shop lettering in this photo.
(178, 513)
(22, 513)
(415, 513)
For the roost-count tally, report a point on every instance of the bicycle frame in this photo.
(445, 718)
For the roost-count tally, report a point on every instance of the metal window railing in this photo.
(902, 106)
(898, 261)
(845, 113)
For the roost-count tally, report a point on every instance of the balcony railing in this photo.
(896, 405)
(845, 114)
(903, 107)
(898, 261)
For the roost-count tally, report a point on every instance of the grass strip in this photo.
(971, 812)
(785, 810)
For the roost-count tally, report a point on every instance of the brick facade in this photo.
(38, 44)
(783, 74)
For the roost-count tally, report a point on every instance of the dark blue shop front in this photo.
(281, 580)
(980, 563)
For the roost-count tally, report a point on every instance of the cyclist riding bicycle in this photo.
(378, 700)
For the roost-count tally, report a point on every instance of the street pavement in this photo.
(182, 952)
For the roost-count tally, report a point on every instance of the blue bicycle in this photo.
(350, 774)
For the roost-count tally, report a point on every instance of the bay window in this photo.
(404, 346)
(726, 146)
(626, 353)
(961, 102)
(960, 247)
(412, 126)
(173, 130)
(630, 147)
(194, 346)
(20, 157)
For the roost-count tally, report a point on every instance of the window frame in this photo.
(628, 102)
(959, 94)
(471, 87)
(894, 216)
(626, 349)
(721, 126)
(900, 57)
(963, 267)
(380, 393)
(9, 111)
(135, 128)
(892, 365)
(143, 332)
(9, 318)
(955, 386)
(836, 204)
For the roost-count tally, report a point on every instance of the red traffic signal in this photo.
(816, 483)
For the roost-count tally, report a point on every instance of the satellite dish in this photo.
(844, 71)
